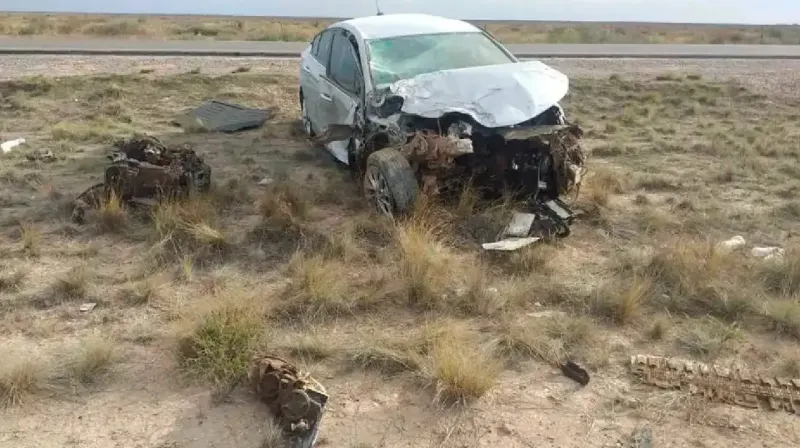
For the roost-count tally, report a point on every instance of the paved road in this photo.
(10, 45)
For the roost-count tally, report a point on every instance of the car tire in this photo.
(389, 183)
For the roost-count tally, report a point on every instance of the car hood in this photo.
(494, 95)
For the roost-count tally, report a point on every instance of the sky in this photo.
(705, 11)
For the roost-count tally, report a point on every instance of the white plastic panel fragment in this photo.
(494, 95)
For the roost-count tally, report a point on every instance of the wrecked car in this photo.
(413, 102)
(142, 169)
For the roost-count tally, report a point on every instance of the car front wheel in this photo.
(389, 182)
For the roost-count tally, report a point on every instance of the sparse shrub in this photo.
(783, 276)
(319, 287)
(189, 227)
(31, 239)
(622, 300)
(92, 360)
(423, 262)
(220, 345)
(658, 328)
(112, 217)
(12, 280)
(602, 183)
(74, 284)
(386, 358)
(708, 338)
(461, 367)
(20, 377)
(784, 315)
(140, 294)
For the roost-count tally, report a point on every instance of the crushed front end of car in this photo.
(498, 128)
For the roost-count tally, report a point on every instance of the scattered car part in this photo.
(294, 398)
(143, 169)
(642, 438)
(510, 244)
(6, 147)
(575, 372)
(734, 243)
(730, 386)
(219, 116)
(768, 253)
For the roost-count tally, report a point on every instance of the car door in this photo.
(340, 90)
(312, 69)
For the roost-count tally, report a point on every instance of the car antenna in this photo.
(378, 7)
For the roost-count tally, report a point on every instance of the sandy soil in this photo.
(145, 402)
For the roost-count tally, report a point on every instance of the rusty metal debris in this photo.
(294, 398)
(575, 372)
(715, 383)
(143, 169)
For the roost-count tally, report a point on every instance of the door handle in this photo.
(306, 69)
(325, 97)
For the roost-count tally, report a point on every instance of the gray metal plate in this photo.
(218, 116)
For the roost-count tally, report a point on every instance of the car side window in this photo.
(324, 49)
(343, 68)
(315, 45)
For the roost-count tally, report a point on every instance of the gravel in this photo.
(771, 77)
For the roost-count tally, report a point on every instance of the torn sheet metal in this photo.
(219, 116)
(510, 244)
(494, 95)
(520, 225)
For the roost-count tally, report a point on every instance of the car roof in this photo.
(394, 25)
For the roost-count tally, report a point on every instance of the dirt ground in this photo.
(420, 338)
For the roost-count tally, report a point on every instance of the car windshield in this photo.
(396, 58)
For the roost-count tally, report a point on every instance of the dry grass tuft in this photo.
(74, 284)
(622, 301)
(602, 183)
(424, 261)
(320, 288)
(92, 360)
(31, 239)
(20, 377)
(12, 280)
(189, 227)
(111, 216)
(219, 345)
(708, 338)
(461, 367)
(698, 279)
(784, 316)
(659, 328)
(783, 276)
(387, 357)
(141, 293)
(534, 259)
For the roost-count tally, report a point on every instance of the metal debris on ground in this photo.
(219, 116)
(6, 147)
(86, 307)
(720, 384)
(38, 156)
(575, 372)
(143, 169)
(733, 243)
(510, 244)
(294, 398)
(642, 438)
(768, 253)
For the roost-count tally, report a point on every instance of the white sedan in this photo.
(370, 85)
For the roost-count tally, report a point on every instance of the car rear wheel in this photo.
(389, 182)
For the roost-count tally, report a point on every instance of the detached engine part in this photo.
(296, 400)
(143, 169)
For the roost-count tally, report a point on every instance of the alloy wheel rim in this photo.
(377, 191)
